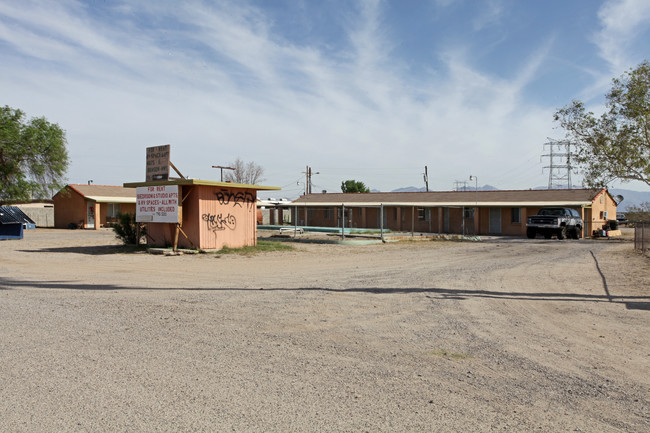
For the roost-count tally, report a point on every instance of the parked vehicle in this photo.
(555, 221)
(621, 218)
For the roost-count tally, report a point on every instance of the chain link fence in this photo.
(642, 236)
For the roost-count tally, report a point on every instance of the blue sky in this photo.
(367, 90)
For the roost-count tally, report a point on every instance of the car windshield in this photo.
(551, 212)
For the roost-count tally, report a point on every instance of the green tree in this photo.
(615, 145)
(33, 156)
(354, 186)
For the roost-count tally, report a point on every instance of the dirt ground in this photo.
(507, 334)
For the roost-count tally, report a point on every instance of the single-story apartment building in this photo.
(502, 212)
(91, 206)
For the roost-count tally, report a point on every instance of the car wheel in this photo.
(561, 234)
(531, 233)
(577, 232)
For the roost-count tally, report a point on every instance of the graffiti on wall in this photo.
(219, 222)
(226, 197)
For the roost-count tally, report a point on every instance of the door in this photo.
(495, 221)
(90, 215)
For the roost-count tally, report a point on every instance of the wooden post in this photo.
(98, 216)
(178, 228)
(176, 170)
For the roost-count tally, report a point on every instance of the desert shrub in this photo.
(126, 229)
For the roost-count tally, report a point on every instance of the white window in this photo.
(112, 210)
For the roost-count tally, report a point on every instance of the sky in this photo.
(367, 90)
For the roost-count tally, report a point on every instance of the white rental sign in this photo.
(157, 204)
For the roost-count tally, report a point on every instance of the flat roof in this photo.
(492, 198)
(468, 204)
(200, 182)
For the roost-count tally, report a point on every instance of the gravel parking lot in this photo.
(508, 334)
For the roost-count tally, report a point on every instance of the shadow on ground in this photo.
(93, 250)
(630, 302)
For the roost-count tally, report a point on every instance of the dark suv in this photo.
(558, 221)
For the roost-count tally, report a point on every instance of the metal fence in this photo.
(642, 236)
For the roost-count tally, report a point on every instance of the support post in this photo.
(295, 221)
(342, 221)
(381, 222)
(463, 219)
(412, 221)
(98, 215)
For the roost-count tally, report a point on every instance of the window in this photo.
(112, 209)
(329, 213)
(515, 215)
(395, 213)
(310, 213)
(424, 214)
(469, 213)
(360, 212)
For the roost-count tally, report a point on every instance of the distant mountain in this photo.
(630, 198)
(414, 189)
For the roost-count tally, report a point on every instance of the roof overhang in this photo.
(201, 182)
(105, 199)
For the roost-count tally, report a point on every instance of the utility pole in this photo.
(426, 178)
(556, 174)
(308, 174)
(222, 169)
(460, 185)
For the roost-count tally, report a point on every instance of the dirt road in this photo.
(500, 335)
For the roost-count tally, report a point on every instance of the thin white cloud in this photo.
(489, 14)
(216, 81)
(622, 22)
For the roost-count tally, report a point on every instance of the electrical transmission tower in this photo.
(559, 168)
(460, 185)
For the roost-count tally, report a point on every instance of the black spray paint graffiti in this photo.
(217, 222)
(226, 196)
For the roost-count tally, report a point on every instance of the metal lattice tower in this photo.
(559, 168)
(460, 185)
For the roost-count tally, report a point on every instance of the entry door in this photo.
(495, 221)
(90, 215)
